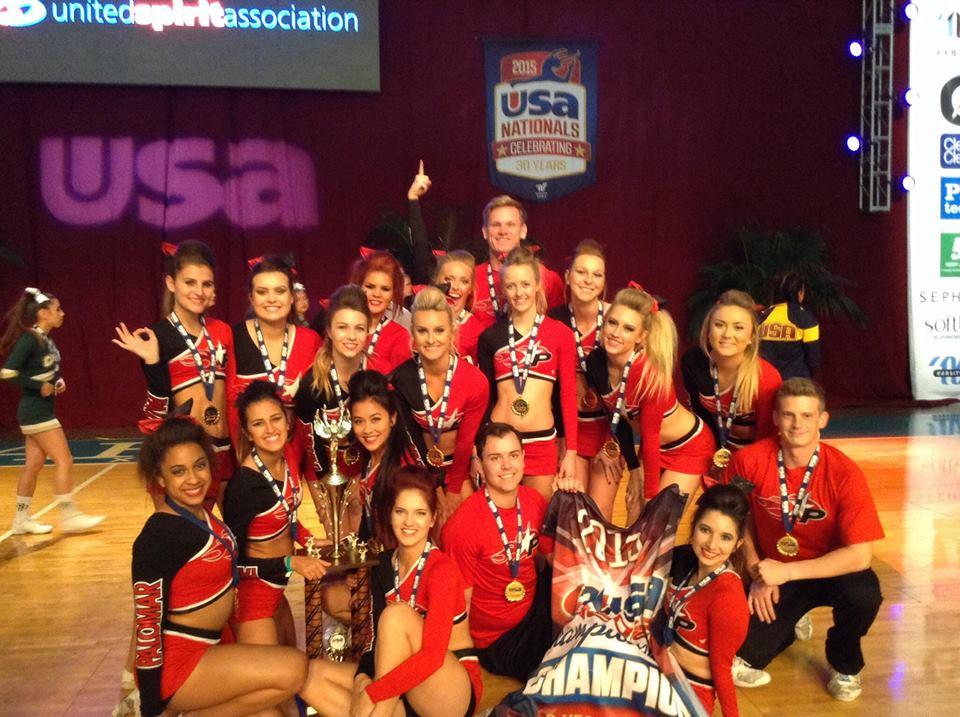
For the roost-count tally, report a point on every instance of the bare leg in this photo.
(256, 632)
(542, 484)
(33, 462)
(235, 680)
(444, 693)
(54, 444)
(286, 628)
(688, 482)
(329, 687)
(603, 487)
(583, 472)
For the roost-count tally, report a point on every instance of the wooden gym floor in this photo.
(65, 605)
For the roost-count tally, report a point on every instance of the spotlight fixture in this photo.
(854, 143)
(855, 48)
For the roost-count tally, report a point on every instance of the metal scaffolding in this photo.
(876, 105)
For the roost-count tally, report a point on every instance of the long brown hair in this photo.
(385, 262)
(522, 256)
(351, 297)
(410, 478)
(659, 345)
(748, 373)
(189, 252)
(22, 316)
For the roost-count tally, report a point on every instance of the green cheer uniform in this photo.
(34, 361)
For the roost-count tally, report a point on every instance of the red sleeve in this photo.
(729, 620)
(857, 516)
(437, 626)
(400, 350)
(473, 409)
(567, 377)
(651, 418)
(766, 395)
(460, 544)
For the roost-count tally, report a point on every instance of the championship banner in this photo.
(541, 116)
(933, 210)
(608, 585)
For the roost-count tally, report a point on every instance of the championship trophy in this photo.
(344, 554)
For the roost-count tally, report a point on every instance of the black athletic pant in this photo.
(855, 599)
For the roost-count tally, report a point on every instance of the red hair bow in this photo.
(656, 304)
(168, 249)
(252, 263)
(417, 288)
(366, 252)
(439, 252)
(325, 303)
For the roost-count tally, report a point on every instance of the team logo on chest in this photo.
(813, 511)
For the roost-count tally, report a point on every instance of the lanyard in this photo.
(576, 334)
(724, 430)
(375, 336)
(229, 545)
(265, 472)
(284, 352)
(790, 517)
(435, 430)
(335, 382)
(676, 602)
(493, 290)
(519, 381)
(462, 317)
(52, 350)
(512, 561)
(412, 602)
(208, 379)
(621, 395)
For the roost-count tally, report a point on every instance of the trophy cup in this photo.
(344, 553)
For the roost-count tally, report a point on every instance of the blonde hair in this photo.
(747, 383)
(659, 345)
(504, 200)
(431, 298)
(458, 256)
(588, 247)
(522, 256)
(350, 297)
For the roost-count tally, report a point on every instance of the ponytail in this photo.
(659, 346)
(22, 316)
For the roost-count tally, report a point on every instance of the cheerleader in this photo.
(728, 385)
(705, 615)
(260, 507)
(586, 282)
(34, 365)
(633, 375)
(529, 360)
(455, 272)
(422, 656)
(388, 344)
(184, 355)
(443, 398)
(184, 575)
(270, 345)
(322, 394)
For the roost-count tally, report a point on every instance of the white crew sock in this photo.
(23, 508)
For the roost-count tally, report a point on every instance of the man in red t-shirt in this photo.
(504, 227)
(494, 536)
(809, 550)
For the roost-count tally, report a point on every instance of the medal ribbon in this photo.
(52, 350)
(462, 317)
(576, 334)
(375, 336)
(520, 381)
(790, 517)
(265, 472)
(621, 395)
(337, 391)
(412, 602)
(493, 290)
(284, 352)
(514, 561)
(229, 545)
(676, 602)
(208, 380)
(435, 430)
(724, 430)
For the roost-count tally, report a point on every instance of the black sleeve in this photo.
(164, 545)
(807, 321)
(248, 495)
(695, 369)
(424, 263)
(381, 581)
(683, 561)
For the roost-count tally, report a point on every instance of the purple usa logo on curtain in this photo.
(541, 116)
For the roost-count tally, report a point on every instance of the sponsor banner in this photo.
(608, 588)
(541, 116)
(933, 212)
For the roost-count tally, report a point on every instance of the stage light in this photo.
(910, 97)
(855, 48)
(910, 11)
(854, 143)
(907, 182)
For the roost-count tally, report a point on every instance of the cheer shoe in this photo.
(80, 522)
(746, 676)
(30, 527)
(803, 630)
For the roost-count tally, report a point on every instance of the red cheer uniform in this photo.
(388, 350)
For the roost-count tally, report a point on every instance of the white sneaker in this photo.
(803, 630)
(746, 676)
(80, 522)
(31, 527)
(845, 688)
(129, 706)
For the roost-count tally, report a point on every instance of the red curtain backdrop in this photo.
(711, 115)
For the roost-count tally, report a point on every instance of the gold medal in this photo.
(722, 457)
(211, 415)
(351, 455)
(788, 546)
(435, 456)
(611, 448)
(520, 407)
(514, 592)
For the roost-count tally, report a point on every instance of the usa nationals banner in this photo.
(608, 584)
(541, 116)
